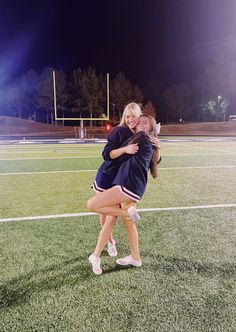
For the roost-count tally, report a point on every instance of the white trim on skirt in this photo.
(128, 193)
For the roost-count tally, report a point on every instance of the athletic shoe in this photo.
(133, 214)
(95, 261)
(128, 260)
(111, 248)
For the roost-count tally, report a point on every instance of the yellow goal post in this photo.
(107, 116)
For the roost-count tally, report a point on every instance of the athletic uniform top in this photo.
(115, 140)
(109, 168)
(132, 174)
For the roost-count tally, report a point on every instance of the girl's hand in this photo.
(155, 142)
(131, 149)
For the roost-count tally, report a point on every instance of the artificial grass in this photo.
(44, 194)
(186, 283)
(187, 280)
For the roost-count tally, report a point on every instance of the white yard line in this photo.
(49, 172)
(50, 158)
(99, 156)
(94, 170)
(83, 214)
(200, 167)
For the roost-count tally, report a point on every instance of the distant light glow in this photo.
(14, 56)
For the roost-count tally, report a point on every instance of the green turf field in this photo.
(188, 277)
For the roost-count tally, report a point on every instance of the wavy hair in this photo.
(156, 153)
(134, 108)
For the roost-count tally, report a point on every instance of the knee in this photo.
(112, 220)
(128, 224)
(102, 219)
(90, 204)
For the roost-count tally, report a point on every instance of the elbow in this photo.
(106, 156)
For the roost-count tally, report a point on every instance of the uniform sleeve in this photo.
(113, 142)
(140, 137)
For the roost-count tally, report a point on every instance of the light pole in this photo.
(218, 105)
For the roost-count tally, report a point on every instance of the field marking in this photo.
(94, 170)
(82, 214)
(99, 156)
(197, 167)
(49, 158)
(49, 172)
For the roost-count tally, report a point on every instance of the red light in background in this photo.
(108, 127)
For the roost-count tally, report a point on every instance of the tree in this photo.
(149, 109)
(75, 86)
(102, 97)
(9, 101)
(208, 110)
(177, 103)
(90, 91)
(222, 106)
(28, 87)
(200, 93)
(215, 110)
(45, 93)
(137, 95)
(122, 92)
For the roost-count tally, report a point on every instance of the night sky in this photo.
(168, 40)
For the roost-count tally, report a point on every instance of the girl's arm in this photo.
(129, 149)
(115, 141)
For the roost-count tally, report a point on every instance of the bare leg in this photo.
(104, 235)
(132, 233)
(102, 219)
(107, 201)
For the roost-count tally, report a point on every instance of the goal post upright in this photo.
(54, 94)
(108, 98)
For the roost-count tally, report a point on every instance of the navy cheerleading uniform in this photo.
(109, 168)
(132, 175)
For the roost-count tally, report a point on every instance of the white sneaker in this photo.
(95, 261)
(128, 260)
(133, 214)
(111, 248)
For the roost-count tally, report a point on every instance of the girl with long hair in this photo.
(114, 149)
(129, 185)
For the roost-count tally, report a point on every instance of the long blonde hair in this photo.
(156, 151)
(134, 108)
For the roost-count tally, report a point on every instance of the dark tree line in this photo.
(208, 97)
(83, 93)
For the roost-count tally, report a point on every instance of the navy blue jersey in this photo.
(115, 140)
(132, 173)
(109, 168)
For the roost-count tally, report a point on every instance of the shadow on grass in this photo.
(69, 272)
(175, 265)
(20, 289)
(76, 270)
(117, 268)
